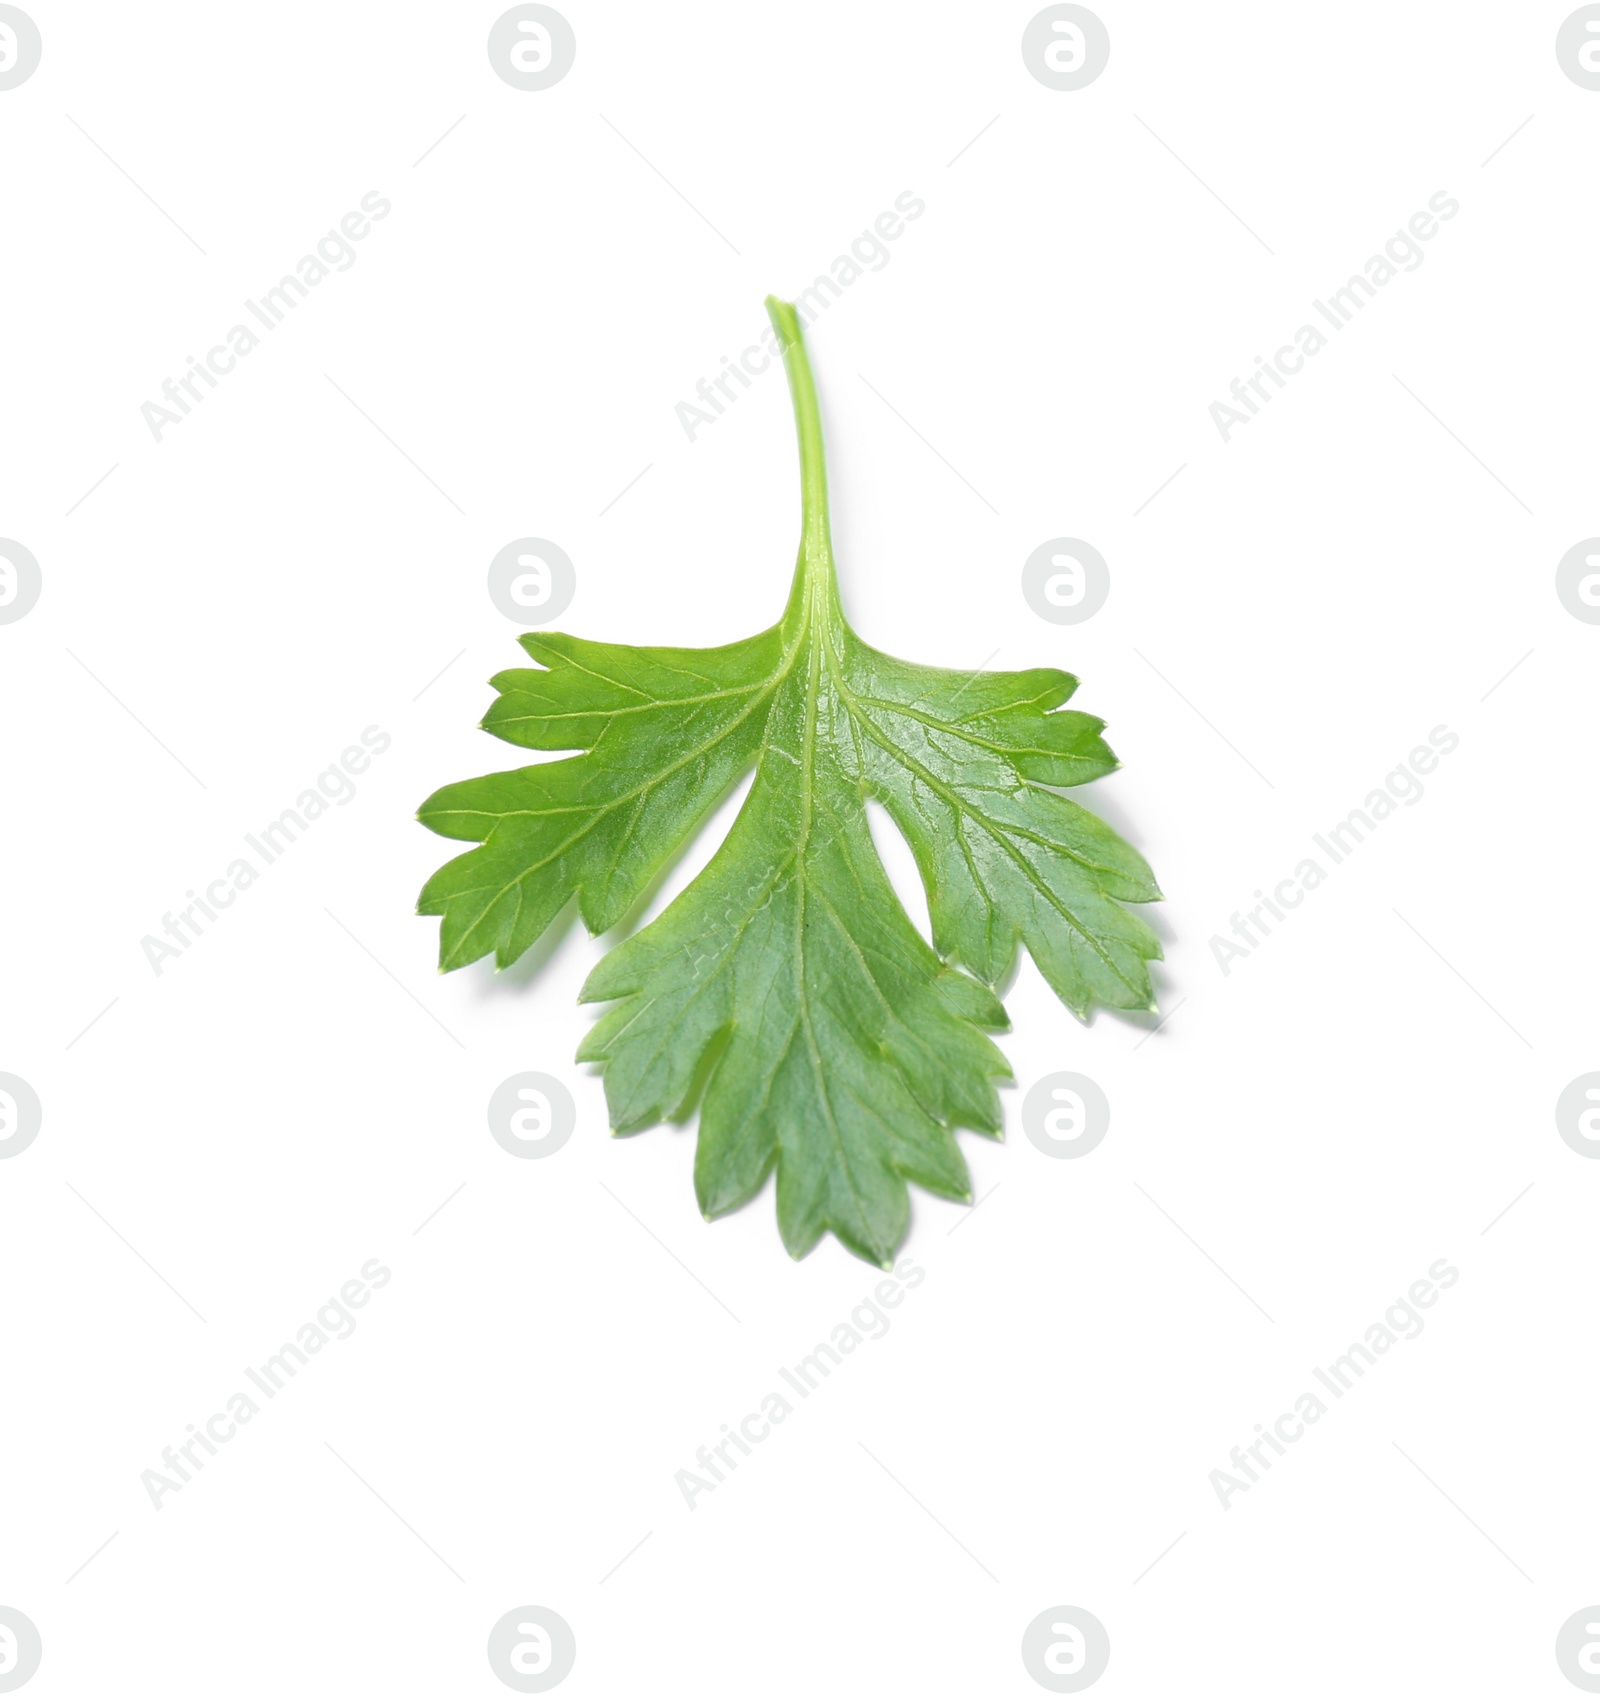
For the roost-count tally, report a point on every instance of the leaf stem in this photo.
(815, 566)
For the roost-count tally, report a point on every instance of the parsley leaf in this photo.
(786, 990)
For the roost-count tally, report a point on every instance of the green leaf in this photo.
(786, 992)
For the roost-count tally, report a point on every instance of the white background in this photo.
(301, 1091)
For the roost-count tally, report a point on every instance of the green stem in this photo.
(815, 566)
